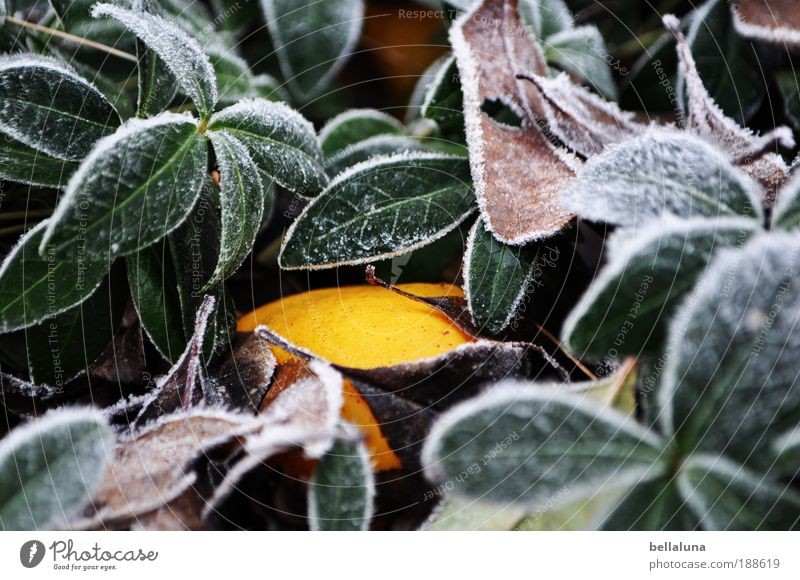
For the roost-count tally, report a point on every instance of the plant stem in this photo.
(67, 36)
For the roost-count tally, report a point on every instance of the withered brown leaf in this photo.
(705, 119)
(772, 21)
(516, 171)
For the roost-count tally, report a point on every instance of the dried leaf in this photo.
(182, 387)
(516, 171)
(705, 119)
(584, 122)
(246, 373)
(155, 466)
(772, 21)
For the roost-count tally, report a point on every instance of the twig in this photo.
(67, 36)
(569, 355)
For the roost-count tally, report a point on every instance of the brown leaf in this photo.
(182, 387)
(155, 467)
(706, 120)
(242, 379)
(772, 21)
(582, 121)
(516, 171)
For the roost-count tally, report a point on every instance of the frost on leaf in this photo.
(341, 491)
(153, 468)
(45, 105)
(380, 208)
(182, 54)
(663, 172)
(584, 122)
(135, 187)
(731, 380)
(547, 440)
(755, 154)
(304, 394)
(516, 171)
(184, 386)
(282, 143)
(50, 467)
(772, 21)
(727, 496)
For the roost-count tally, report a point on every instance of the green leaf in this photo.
(627, 308)
(24, 164)
(526, 443)
(544, 18)
(281, 142)
(50, 467)
(369, 148)
(313, 40)
(582, 52)
(36, 286)
(234, 78)
(135, 187)
(182, 54)
(444, 101)
(154, 290)
(729, 65)
(730, 381)
(787, 208)
(195, 248)
(157, 85)
(241, 203)
(651, 506)
(75, 338)
(496, 277)
(787, 451)
(727, 496)
(356, 125)
(379, 209)
(663, 172)
(50, 108)
(341, 490)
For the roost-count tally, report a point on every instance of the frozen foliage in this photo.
(727, 496)
(369, 148)
(706, 119)
(730, 384)
(47, 106)
(313, 39)
(356, 125)
(496, 277)
(627, 308)
(241, 201)
(135, 186)
(787, 452)
(281, 142)
(180, 52)
(545, 17)
(307, 395)
(529, 443)
(787, 210)
(380, 208)
(582, 52)
(50, 467)
(340, 494)
(34, 287)
(585, 123)
(154, 466)
(442, 100)
(517, 173)
(660, 173)
(775, 22)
